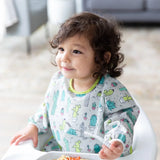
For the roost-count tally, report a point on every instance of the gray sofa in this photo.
(126, 10)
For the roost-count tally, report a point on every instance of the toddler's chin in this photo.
(67, 76)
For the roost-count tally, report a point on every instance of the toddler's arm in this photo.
(39, 122)
(120, 127)
(29, 132)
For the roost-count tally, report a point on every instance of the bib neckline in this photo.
(83, 92)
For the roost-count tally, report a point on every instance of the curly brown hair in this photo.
(103, 36)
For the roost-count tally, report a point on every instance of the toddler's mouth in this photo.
(67, 68)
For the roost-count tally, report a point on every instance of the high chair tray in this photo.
(88, 156)
(56, 154)
(26, 151)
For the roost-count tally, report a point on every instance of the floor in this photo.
(24, 78)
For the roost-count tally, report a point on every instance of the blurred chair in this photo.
(31, 15)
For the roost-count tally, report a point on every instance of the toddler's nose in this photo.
(65, 57)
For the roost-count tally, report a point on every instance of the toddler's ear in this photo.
(107, 56)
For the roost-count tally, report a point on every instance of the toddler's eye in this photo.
(77, 52)
(60, 49)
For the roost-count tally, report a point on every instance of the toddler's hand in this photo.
(113, 152)
(29, 132)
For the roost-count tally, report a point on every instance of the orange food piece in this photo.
(72, 158)
(69, 158)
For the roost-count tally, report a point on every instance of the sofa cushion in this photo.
(114, 4)
(153, 4)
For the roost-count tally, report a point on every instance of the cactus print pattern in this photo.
(107, 111)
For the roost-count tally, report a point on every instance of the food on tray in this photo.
(63, 157)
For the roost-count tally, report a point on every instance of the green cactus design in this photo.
(77, 146)
(130, 150)
(129, 125)
(75, 110)
(55, 98)
(97, 148)
(111, 105)
(132, 117)
(63, 96)
(72, 131)
(93, 121)
(109, 121)
(122, 137)
(68, 104)
(99, 93)
(61, 127)
(108, 92)
(66, 144)
(126, 98)
(123, 89)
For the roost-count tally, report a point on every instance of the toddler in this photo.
(86, 107)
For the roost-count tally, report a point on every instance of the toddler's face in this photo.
(75, 58)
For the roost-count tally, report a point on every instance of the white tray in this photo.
(26, 151)
(56, 154)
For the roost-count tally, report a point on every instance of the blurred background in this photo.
(26, 28)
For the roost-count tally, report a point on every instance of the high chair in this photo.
(144, 146)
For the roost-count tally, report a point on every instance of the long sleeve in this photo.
(41, 117)
(119, 126)
(120, 115)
